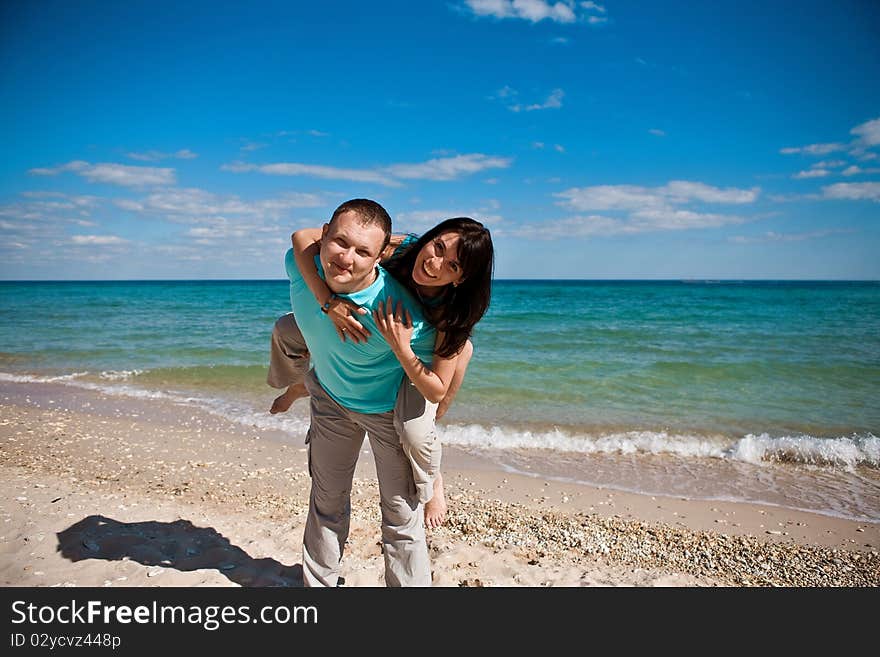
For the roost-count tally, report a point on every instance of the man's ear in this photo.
(324, 230)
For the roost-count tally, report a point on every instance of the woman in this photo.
(449, 270)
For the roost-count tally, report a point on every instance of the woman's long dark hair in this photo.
(460, 306)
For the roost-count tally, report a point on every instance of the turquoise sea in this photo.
(730, 390)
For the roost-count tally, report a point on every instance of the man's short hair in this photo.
(369, 213)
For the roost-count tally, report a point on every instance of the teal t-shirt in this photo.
(364, 377)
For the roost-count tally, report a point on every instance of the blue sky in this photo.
(596, 139)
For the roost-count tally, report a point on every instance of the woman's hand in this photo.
(342, 313)
(395, 324)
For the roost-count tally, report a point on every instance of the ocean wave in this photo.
(845, 452)
(223, 408)
(28, 378)
(120, 375)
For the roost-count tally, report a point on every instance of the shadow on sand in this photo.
(179, 544)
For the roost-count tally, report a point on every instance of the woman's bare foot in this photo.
(435, 508)
(283, 402)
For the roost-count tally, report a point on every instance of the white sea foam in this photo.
(120, 375)
(846, 452)
(228, 410)
(26, 378)
(650, 442)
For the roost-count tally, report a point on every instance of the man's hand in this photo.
(342, 313)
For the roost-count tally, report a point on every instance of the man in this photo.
(353, 388)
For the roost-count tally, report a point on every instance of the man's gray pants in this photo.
(334, 440)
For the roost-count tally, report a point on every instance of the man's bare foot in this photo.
(283, 402)
(435, 508)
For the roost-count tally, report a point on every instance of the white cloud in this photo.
(97, 240)
(856, 170)
(155, 156)
(657, 132)
(82, 203)
(559, 148)
(315, 171)
(190, 205)
(530, 10)
(449, 168)
(673, 219)
(418, 221)
(610, 197)
(645, 208)
(538, 145)
(224, 230)
(596, 20)
(592, 5)
(814, 149)
(554, 101)
(632, 197)
(114, 174)
(868, 191)
(868, 132)
(811, 173)
(441, 168)
(867, 136)
(683, 191)
(569, 228)
(128, 176)
(75, 165)
(560, 40)
(38, 221)
(643, 221)
(771, 236)
(508, 94)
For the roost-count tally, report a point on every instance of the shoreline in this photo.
(89, 479)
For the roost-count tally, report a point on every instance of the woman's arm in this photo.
(393, 243)
(306, 245)
(397, 329)
(461, 364)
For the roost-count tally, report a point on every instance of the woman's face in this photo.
(437, 263)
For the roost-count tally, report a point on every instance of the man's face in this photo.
(349, 253)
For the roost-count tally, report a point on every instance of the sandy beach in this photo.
(101, 491)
